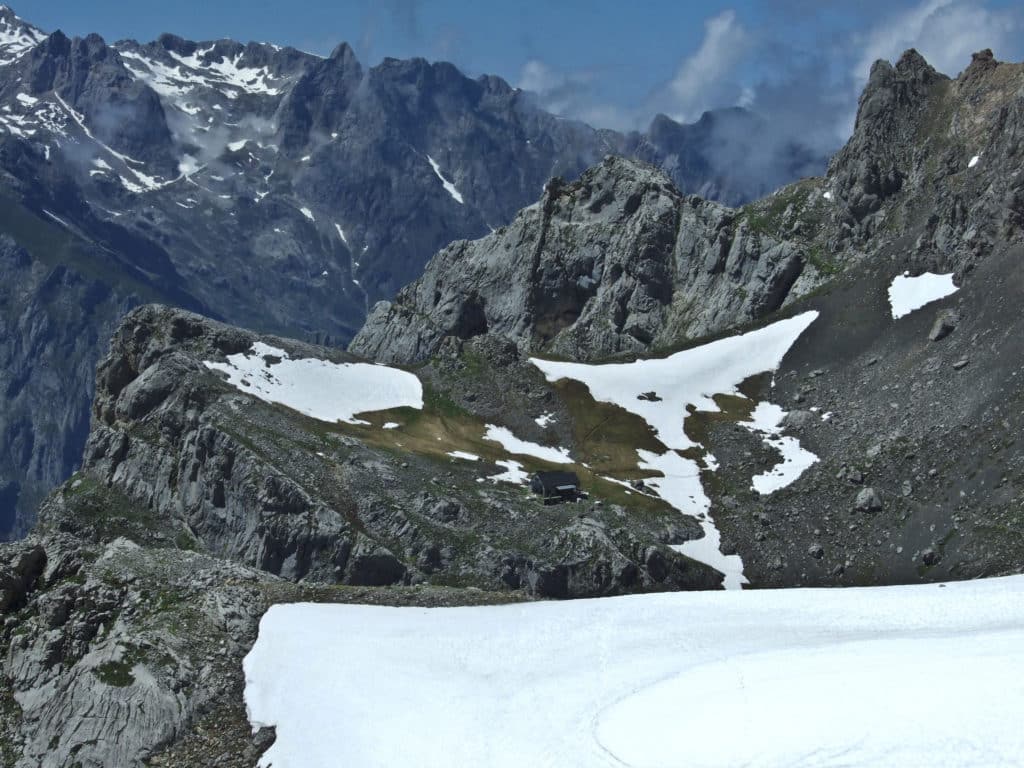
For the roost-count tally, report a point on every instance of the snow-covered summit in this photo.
(16, 36)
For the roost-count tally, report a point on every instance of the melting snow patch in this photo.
(544, 419)
(766, 420)
(514, 473)
(513, 444)
(907, 294)
(644, 680)
(463, 455)
(319, 388)
(448, 186)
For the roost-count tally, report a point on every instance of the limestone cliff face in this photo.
(619, 261)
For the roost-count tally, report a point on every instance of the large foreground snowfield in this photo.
(889, 676)
(319, 388)
(907, 294)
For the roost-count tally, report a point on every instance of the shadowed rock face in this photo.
(56, 318)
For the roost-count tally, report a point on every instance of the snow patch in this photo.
(907, 294)
(463, 455)
(513, 444)
(766, 420)
(974, 161)
(341, 234)
(514, 473)
(319, 388)
(307, 213)
(544, 419)
(448, 186)
(391, 425)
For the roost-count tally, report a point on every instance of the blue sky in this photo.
(612, 63)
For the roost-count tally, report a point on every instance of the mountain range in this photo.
(275, 189)
(820, 387)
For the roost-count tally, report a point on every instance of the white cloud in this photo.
(704, 79)
(538, 77)
(945, 32)
(571, 94)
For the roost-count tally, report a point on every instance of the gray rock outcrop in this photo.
(619, 261)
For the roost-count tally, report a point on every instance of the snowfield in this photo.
(319, 388)
(907, 294)
(691, 377)
(891, 676)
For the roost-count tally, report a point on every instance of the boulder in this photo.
(868, 500)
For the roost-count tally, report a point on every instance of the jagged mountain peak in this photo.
(343, 52)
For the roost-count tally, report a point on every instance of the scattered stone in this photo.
(944, 325)
(868, 500)
(816, 551)
(907, 489)
(798, 419)
(930, 556)
(961, 364)
(851, 475)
